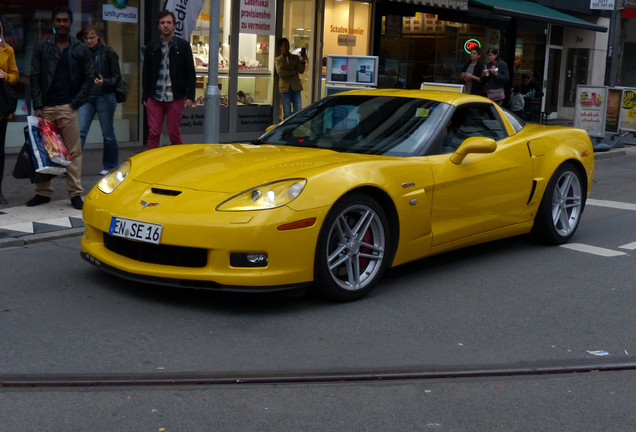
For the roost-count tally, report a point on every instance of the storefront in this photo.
(248, 84)
(246, 78)
(26, 22)
(422, 41)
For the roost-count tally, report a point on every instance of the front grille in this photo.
(157, 254)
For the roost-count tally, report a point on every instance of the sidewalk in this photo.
(21, 225)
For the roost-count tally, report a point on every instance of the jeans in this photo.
(290, 98)
(172, 112)
(104, 105)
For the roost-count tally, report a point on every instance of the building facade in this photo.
(415, 40)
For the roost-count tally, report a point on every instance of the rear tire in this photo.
(561, 206)
(353, 248)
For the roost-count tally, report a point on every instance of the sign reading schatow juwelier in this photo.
(120, 11)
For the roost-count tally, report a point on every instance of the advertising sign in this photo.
(128, 14)
(590, 109)
(356, 70)
(257, 17)
(627, 117)
(614, 97)
(186, 12)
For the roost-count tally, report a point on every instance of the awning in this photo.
(446, 4)
(536, 12)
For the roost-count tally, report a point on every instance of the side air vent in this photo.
(534, 189)
(165, 192)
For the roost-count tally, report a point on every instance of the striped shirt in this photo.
(164, 84)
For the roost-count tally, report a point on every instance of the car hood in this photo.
(230, 168)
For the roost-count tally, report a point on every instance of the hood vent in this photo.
(165, 192)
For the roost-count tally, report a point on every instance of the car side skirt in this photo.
(498, 234)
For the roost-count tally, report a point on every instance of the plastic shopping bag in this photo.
(52, 141)
(41, 161)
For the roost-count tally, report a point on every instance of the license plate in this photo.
(135, 230)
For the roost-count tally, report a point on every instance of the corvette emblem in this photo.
(147, 204)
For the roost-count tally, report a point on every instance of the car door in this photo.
(485, 191)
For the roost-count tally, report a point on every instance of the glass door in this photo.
(298, 28)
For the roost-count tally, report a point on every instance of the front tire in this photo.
(353, 248)
(561, 206)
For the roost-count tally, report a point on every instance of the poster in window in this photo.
(339, 69)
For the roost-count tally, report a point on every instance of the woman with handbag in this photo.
(495, 77)
(102, 98)
(9, 75)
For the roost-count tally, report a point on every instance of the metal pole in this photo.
(212, 94)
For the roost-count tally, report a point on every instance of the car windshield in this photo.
(379, 125)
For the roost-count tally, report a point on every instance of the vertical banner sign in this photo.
(627, 120)
(257, 17)
(614, 97)
(186, 12)
(590, 110)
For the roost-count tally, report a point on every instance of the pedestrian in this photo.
(471, 73)
(102, 96)
(288, 67)
(61, 80)
(495, 77)
(10, 75)
(517, 103)
(169, 81)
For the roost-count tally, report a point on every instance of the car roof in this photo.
(449, 97)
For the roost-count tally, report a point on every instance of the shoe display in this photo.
(77, 202)
(103, 172)
(37, 200)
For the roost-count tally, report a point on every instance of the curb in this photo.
(38, 238)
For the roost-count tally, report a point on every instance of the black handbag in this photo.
(121, 90)
(8, 99)
(24, 165)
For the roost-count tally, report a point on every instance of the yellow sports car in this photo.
(330, 198)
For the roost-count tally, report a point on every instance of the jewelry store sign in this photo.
(257, 17)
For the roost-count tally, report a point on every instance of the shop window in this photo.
(298, 19)
(24, 27)
(423, 48)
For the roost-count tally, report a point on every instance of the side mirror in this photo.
(473, 145)
(269, 128)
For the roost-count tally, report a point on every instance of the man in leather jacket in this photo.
(169, 81)
(61, 79)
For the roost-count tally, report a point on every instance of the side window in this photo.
(471, 121)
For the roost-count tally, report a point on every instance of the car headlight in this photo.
(114, 178)
(267, 196)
